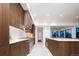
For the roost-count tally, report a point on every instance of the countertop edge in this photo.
(62, 39)
(16, 41)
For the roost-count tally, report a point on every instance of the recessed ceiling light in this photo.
(76, 17)
(61, 15)
(47, 14)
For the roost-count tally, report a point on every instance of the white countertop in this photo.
(11, 41)
(64, 39)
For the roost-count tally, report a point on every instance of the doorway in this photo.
(40, 34)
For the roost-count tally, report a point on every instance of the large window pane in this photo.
(53, 34)
(68, 33)
(61, 34)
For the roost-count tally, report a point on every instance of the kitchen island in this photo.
(63, 46)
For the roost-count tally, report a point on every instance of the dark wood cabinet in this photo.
(19, 49)
(53, 46)
(24, 48)
(10, 14)
(63, 48)
(28, 21)
(29, 24)
(16, 15)
(75, 48)
(14, 49)
(4, 50)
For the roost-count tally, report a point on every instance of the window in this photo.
(68, 33)
(77, 32)
(61, 34)
(53, 34)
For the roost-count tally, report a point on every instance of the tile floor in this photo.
(40, 50)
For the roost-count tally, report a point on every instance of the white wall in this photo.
(46, 33)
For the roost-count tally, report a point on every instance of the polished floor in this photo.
(40, 50)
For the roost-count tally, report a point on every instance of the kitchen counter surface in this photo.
(63, 39)
(11, 41)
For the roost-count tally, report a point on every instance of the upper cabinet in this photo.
(16, 15)
(20, 18)
(28, 22)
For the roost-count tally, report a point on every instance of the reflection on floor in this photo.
(40, 50)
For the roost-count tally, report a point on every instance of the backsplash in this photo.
(16, 33)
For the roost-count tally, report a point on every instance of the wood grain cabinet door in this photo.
(24, 48)
(15, 49)
(19, 49)
(74, 49)
(4, 50)
(16, 15)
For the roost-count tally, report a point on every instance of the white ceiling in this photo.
(55, 14)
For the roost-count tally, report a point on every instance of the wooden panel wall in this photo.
(4, 25)
(10, 14)
(4, 29)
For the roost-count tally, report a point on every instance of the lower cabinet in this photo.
(58, 48)
(4, 50)
(53, 46)
(24, 48)
(14, 49)
(19, 49)
(63, 48)
(75, 48)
